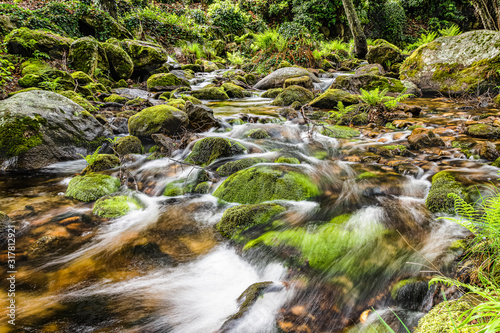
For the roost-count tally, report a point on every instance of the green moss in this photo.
(272, 93)
(82, 78)
(340, 132)
(234, 166)
(163, 81)
(95, 88)
(128, 145)
(445, 316)
(114, 98)
(444, 183)
(23, 90)
(34, 66)
(30, 80)
(83, 55)
(192, 67)
(232, 90)
(366, 175)
(287, 160)
(115, 206)
(75, 97)
(102, 162)
(157, 119)
(25, 42)
(496, 163)
(483, 131)
(394, 147)
(400, 284)
(165, 96)
(174, 189)
(207, 150)
(303, 81)
(240, 218)
(210, 93)
(92, 186)
(330, 99)
(257, 133)
(120, 63)
(121, 84)
(267, 183)
(177, 103)
(292, 94)
(20, 135)
(202, 188)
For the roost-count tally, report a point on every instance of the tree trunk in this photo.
(360, 46)
(489, 12)
(110, 7)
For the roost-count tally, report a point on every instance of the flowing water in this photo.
(165, 268)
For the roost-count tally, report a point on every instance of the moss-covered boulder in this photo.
(293, 94)
(78, 99)
(229, 168)
(330, 99)
(339, 132)
(438, 200)
(82, 78)
(211, 94)
(165, 81)
(257, 133)
(277, 78)
(128, 145)
(354, 83)
(272, 93)
(115, 206)
(92, 186)
(114, 98)
(483, 131)
(456, 65)
(240, 218)
(266, 183)
(30, 80)
(373, 69)
(145, 56)
(121, 65)
(58, 80)
(34, 66)
(207, 150)
(102, 162)
(384, 53)
(163, 119)
(233, 91)
(25, 42)
(303, 81)
(39, 128)
(287, 160)
(194, 67)
(83, 55)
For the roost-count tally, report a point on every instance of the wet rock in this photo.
(488, 151)
(92, 186)
(115, 206)
(355, 83)
(277, 78)
(339, 132)
(145, 56)
(272, 93)
(40, 128)
(293, 94)
(233, 91)
(384, 53)
(423, 137)
(257, 133)
(120, 63)
(330, 99)
(265, 183)
(455, 64)
(482, 131)
(438, 200)
(373, 69)
(303, 81)
(229, 168)
(207, 150)
(210, 93)
(165, 81)
(102, 162)
(158, 119)
(238, 219)
(19, 42)
(83, 55)
(45, 245)
(128, 145)
(410, 293)
(201, 117)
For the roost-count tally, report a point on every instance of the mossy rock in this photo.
(30, 80)
(165, 95)
(360, 119)
(25, 42)
(340, 132)
(165, 81)
(94, 88)
(243, 217)
(302, 81)
(384, 53)
(233, 91)
(211, 94)
(209, 67)
(157, 119)
(207, 150)
(277, 78)
(81, 77)
(354, 83)
(272, 93)
(444, 183)
(45, 245)
(266, 183)
(234, 166)
(193, 67)
(115, 206)
(114, 98)
(121, 65)
(145, 56)
(250, 79)
(331, 97)
(292, 94)
(177, 103)
(61, 79)
(483, 131)
(78, 99)
(92, 186)
(34, 66)
(257, 133)
(102, 162)
(284, 64)
(496, 100)
(287, 160)
(191, 99)
(121, 84)
(128, 145)
(83, 55)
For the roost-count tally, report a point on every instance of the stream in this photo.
(165, 268)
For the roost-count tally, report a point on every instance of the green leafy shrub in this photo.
(228, 16)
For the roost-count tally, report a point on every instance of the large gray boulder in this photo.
(456, 64)
(277, 78)
(38, 128)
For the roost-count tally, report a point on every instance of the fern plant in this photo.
(374, 97)
(90, 159)
(341, 111)
(451, 31)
